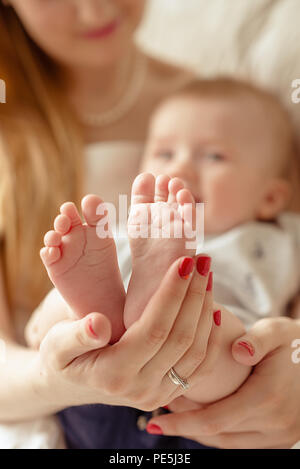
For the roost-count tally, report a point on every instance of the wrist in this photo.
(44, 390)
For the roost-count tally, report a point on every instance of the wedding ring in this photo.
(176, 379)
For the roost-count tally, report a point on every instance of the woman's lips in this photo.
(103, 32)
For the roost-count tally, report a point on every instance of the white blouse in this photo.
(111, 168)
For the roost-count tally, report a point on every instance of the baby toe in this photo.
(52, 239)
(175, 185)
(184, 196)
(62, 224)
(187, 207)
(93, 209)
(143, 189)
(69, 209)
(50, 255)
(161, 188)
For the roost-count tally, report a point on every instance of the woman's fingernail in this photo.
(203, 265)
(186, 267)
(165, 407)
(154, 429)
(90, 328)
(217, 318)
(248, 347)
(209, 282)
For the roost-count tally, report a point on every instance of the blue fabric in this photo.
(111, 427)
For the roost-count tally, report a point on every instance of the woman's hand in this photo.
(265, 411)
(72, 369)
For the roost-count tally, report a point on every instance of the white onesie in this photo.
(256, 267)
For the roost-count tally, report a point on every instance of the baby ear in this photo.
(275, 199)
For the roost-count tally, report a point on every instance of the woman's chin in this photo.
(97, 57)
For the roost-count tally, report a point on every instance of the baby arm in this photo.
(52, 310)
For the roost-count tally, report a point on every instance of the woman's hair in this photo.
(40, 159)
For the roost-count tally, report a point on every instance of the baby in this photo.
(220, 142)
(232, 144)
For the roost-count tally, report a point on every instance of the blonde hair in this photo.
(40, 159)
(287, 163)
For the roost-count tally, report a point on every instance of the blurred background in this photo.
(256, 39)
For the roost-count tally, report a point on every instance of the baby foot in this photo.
(84, 267)
(158, 224)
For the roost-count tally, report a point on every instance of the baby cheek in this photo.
(219, 188)
(153, 166)
(146, 166)
(224, 206)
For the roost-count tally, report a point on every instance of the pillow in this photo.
(257, 40)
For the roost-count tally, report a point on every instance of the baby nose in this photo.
(184, 172)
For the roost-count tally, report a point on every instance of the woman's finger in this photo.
(243, 440)
(182, 404)
(69, 339)
(152, 329)
(196, 354)
(190, 365)
(247, 440)
(182, 335)
(265, 336)
(213, 419)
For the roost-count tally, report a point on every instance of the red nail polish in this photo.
(248, 347)
(186, 267)
(209, 282)
(203, 265)
(90, 328)
(217, 318)
(154, 429)
(165, 407)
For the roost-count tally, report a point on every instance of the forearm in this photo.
(20, 398)
(226, 375)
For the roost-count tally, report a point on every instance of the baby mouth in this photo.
(198, 199)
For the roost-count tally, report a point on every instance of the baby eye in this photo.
(214, 156)
(165, 154)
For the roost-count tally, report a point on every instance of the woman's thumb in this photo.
(252, 347)
(69, 339)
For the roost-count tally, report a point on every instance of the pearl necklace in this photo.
(125, 104)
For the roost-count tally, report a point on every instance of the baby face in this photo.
(221, 148)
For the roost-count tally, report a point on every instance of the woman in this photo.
(74, 77)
